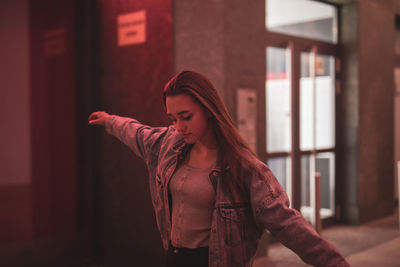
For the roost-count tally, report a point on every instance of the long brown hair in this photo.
(234, 150)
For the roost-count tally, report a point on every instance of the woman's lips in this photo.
(186, 135)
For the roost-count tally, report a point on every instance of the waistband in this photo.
(177, 250)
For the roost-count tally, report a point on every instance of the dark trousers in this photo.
(187, 257)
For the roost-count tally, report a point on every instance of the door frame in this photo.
(297, 45)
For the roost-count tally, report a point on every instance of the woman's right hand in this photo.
(98, 118)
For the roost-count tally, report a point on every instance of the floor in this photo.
(373, 244)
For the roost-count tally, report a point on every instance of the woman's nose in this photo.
(180, 126)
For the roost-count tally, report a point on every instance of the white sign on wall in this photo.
(132, 28)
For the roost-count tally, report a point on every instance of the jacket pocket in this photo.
(232, 225)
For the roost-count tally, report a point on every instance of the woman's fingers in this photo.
(97, 117)
(98, 121)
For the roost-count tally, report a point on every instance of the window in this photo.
(303, 18)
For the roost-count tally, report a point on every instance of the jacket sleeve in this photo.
(271, 210)
(142, 139)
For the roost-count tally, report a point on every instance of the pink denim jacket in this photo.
(233, 241)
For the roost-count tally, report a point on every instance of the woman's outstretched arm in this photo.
(271, 210)
(140, 138)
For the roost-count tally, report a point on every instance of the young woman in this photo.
(212, 197)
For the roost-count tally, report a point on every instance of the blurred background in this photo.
(313, 86)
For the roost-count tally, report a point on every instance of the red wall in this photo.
(15, 152)
(53, 105)
(38, 180)
(131, 79)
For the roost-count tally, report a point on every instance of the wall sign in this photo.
(54, 42)
(132, 28)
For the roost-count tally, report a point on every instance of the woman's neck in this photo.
(204, 152)
(207, 144)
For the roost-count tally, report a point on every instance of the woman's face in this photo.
(189, 118)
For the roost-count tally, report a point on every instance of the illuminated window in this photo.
(303, 18)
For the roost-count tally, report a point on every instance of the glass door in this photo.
(314, 118)
(317, 132)
(302, 53)
(279, 115)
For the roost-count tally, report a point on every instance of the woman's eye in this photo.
(187, 118)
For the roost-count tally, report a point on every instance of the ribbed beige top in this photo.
(192, 204)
